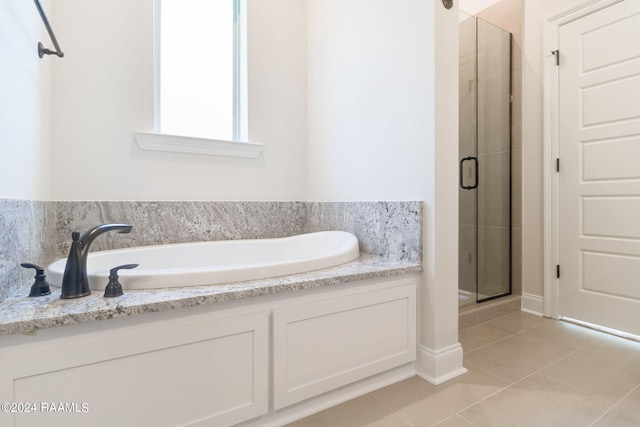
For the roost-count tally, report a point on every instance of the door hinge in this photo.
(557, 165)
(557, 271)
(557, 55)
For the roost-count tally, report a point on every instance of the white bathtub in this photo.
(212, 263)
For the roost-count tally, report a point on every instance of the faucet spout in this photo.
(90, 235)
(75, 282)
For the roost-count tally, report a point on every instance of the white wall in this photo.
(532, 140)
(382, 104)
(24, 103)
(473, 7)
(440, 295)
(370, 108)
(103, 93)
(383, 116)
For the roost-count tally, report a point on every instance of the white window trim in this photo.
(158, 141)
(240, 107)
(154, 141)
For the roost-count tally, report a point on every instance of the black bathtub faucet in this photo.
(75, 283)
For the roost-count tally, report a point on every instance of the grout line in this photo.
(457, 414)
(509, 384)
(512, 383)
(501, 317)
(508, 381)
(482, 400)
(466, 419)
(538, 371)
(566, 384)
(487, 345)
(615, 405)
(490, 344)
(511, 334)
(390, 409)
(556, 361)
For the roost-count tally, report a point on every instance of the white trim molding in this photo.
(439, 366)
(186, 144)
(330, 399)
(551, 301)
(532, 304)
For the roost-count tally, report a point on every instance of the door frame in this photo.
(551, 121)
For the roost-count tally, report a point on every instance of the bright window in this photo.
(201, 69)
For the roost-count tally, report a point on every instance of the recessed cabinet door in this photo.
(212, 372)
(323, 345)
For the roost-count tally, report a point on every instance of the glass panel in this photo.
(494, 158)
(485, 161)
(467, 270)
(196, 63)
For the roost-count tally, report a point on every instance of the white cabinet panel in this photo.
(319, 346)
(220, 366)
(206, 373)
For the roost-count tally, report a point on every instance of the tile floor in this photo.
(524, 370)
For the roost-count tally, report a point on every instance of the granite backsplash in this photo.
(27, 234)
(40, 232)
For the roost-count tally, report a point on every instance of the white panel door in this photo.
(599, 180)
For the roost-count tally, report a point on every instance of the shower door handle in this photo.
(475, 183)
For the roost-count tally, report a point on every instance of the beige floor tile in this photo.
(364, 411)
(480, 336)
(562, 333)
(517, 356)
(467, 320)
(423, 404)
(495, 312)
(536, 401)
(455, 421)
(606, 340)
(624, 414)
(517, 322)
(524, 371)
(610, 372)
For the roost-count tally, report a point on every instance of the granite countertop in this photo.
(21, 314)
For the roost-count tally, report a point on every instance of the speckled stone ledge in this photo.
(21, 314)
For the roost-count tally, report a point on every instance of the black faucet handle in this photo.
(114, 271)
(40, 287)
(114, 288)
(39, 270)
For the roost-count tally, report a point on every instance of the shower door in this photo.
(485, 161)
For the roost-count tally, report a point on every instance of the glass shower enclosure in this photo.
(485, 100)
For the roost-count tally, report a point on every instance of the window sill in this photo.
(187, 144)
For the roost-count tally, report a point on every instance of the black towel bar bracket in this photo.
(41, 49)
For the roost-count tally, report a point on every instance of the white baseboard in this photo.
(327, 400)
(533, 304)
(439, 366)
(435, 366)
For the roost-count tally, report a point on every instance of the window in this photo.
(201, 69)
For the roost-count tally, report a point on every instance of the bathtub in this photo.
(214, 263)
